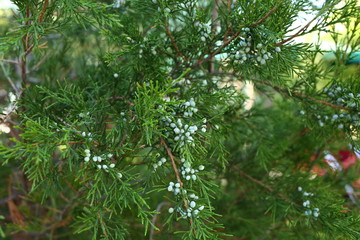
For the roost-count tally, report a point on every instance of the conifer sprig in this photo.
(179, 120)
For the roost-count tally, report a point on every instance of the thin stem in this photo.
(227, 42)
(270, 189)
(42, 60)
(43, 10)
(172, 157)
(28, 49)
(9, 61)
(261, 20)
(11, 82)
(288, 92)
(102, 224)
(63, 143)
(25, 43)
(122, 99)
(137, 163)
(296, 34)
(5, 200)
(5, 118)
(174, 42)
(15, 214)
(304, 96)
(158, 209)
(214, 17)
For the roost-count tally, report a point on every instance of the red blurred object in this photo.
(318, 170)
(342, 160)
(356, 184)
(346, 209)
(347, 158)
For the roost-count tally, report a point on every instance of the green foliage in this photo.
(135, 119)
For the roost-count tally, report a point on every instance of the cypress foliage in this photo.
(131, 120)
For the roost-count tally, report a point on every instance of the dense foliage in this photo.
(135, 120)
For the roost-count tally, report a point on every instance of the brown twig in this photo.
(42, 60)
(228, 28)
(137, 163)
(9, 61)
(103, 224)
(11, 82)
(28, 49)
(270, 189)
(122, 99)
(172, 161)
(27, 23)
(304, 96)
(5, 200)
(172, 157)
(214, 17)
(63, 221)
(174, 43)
(261, 20)
(43, 10)
(63, 197)
(25, 42)
(286, 91)
(15, 214)
(158, 209)
(227, 42)
(5, 118)
(320, 101)
(70, 142)
(296, 34)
